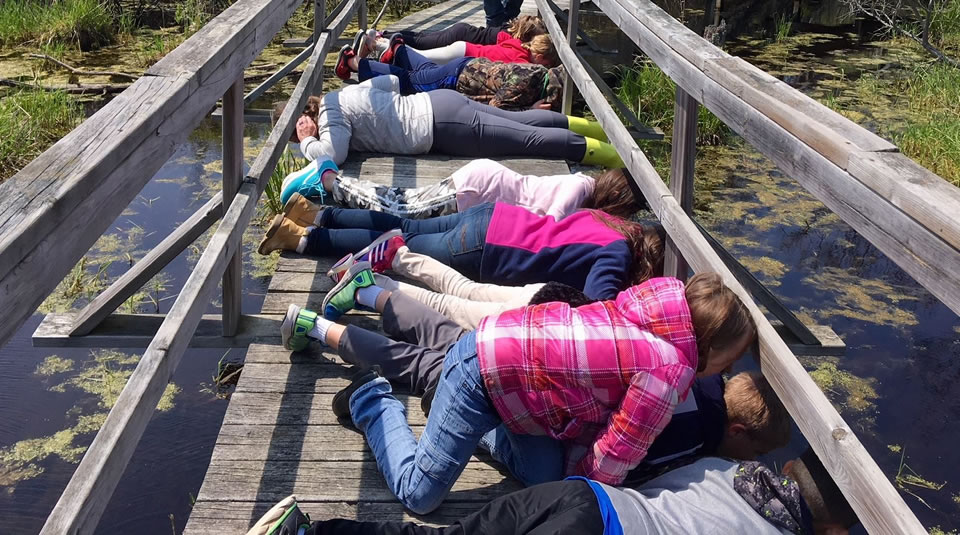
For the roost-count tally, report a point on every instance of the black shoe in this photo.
(341, 401)
(427, 400)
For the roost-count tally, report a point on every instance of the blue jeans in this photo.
(532, 459)
(422, 473)
(416, 73)
(500, 11)
(456, 239)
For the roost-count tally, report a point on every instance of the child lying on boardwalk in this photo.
(572, 405)
(374, 117)
(475, 183)
(523, 28)
(711, 495)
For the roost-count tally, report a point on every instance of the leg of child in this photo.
(460, 31)
(556, 507)
(412, 365)
(446, 280)
(443, 54)
(463, 130)
(420, 474)
(459, 246)
(408, 320)
(467, 314)
(367, 69)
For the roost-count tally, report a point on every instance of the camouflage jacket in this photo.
(776, 498)
(510, 85)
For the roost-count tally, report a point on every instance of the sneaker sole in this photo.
(342, 265)
(271, 232)
(286, 327)
(342, 59)
(358, 42)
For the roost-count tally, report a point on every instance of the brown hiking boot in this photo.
(301, 211)
(283, 234)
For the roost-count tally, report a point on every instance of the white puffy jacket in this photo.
(372, 117)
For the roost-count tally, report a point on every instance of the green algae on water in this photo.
(53, 365)
(869, 300)
(850, 391)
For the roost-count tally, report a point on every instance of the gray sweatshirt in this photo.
(697, 498)
(373, 117)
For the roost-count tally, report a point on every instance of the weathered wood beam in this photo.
(56, 207)
(683, 159)
(152, 263)
(137, 330)
(232, 173)
(880, 507)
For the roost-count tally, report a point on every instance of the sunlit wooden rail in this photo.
(56, 207)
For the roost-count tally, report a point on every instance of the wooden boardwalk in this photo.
(279, 436)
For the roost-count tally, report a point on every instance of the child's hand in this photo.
(306, 127)
(540, 105)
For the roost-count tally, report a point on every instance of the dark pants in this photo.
(463, 127)
(416, 74)
(419, 338)
(559, 507)
(460, 31)
(456, 239)
(500, 11)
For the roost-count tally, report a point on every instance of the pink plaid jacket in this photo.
(604, 378)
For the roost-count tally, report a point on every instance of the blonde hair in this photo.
(752, 403)
(526, 27)
(543, 45)
(719, 317)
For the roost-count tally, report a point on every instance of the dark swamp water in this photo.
(897, 384)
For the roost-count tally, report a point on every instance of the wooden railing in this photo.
(57, 207)
(906, 211)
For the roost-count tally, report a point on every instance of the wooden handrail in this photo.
(906, 211)
(95, 479)
(56, 207)
(879, 506)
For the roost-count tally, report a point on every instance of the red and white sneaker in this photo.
(380, 254)
(341, 69)
(396, 41)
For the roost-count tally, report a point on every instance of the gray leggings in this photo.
(463, 127)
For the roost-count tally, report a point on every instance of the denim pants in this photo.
(416, 73)
(421, 473)
(498, 12)
(456, 239)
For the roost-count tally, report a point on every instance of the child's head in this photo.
(832, 514)
(553, 292)
(612, 194)
(311, 110)
(722, 323)
(646, 242)
(757, 422)
(542, 51)
(526, 27)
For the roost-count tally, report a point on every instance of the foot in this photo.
(308, 181)
(295, 326)
(341, 299)
(380, 254)
(301, 211)
(380, 45)
(342, 69)
(396, 41)
(341, 400)
(284, 518)
(363, 44)
(283, 235)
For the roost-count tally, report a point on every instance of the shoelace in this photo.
(312, 183)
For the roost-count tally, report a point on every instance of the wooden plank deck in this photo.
(279, 435)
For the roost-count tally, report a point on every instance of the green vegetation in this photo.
(784, 25)
(86, 24)
(31, 120)
(908, 480)
(288, 163)
(845, 388)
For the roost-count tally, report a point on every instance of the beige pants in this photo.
(455, 296)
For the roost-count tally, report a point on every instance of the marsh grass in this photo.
(85, 24)
(650, 93)
(783, 28)
(908, 480)
(288, 163)
(932, 137)
(30, 121)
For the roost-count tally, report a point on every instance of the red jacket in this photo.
(508, 51)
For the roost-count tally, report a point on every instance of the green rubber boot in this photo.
(600, 153)
(586, 128)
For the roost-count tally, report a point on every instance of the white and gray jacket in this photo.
(373, 117)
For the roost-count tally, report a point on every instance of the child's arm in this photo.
(609, 273)
(644, 411)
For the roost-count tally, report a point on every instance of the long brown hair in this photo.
(719, 317)
(612, 194)
(311, 109)
(646, 242)
(526, 27)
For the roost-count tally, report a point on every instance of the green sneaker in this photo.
(285, 518)
(296, 324)
(340, 299)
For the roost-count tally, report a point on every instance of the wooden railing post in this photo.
(362, 15)
(319, 18)
(573, 25)
(232, 177)
(683, 154)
